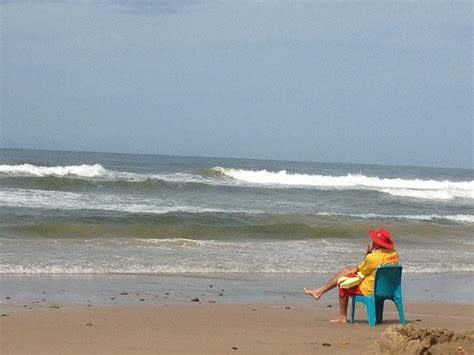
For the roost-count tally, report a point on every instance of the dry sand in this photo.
(211, 328)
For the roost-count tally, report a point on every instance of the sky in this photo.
(373, 82)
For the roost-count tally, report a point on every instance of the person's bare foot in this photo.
(340, 319)
(315, 292)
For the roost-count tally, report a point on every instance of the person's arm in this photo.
(354, 270)
(363, 265)
(369, 263)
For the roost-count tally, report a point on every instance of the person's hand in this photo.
(369, 248)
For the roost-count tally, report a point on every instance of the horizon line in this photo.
(237, 158)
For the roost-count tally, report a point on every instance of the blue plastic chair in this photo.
(387, 286)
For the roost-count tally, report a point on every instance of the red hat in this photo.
(382, 237)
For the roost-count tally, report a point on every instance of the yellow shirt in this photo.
(369, 266)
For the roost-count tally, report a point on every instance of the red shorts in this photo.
(353, 291)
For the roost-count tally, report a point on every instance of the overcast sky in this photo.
(359, 82)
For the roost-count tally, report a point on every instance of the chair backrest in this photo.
(388, 280)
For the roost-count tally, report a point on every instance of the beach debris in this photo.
(124, 293)
(53, 306)
(142, 299)
(253, 309)
(410, 340)
(195, 300)
(25, 305)
(88, 324)
(112, 298)
(329, 305)
(234, 348)
(7, 298)
(5, 314)
(417, 320)
(89, 305)
(326, 344)
(211, 301)
(287, 307)
(221, 294)
(211, 286)
(344, 342)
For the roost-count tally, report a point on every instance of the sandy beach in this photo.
(120, 314)
(207, 328)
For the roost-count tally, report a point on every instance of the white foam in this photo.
(456, 217)
(99, 173)
(181, 255)
(45, 199)
(445, 194)
(232, 266)
(183, 242)
(426, 217)
(83, 170)
(415, 188)
(57, 270)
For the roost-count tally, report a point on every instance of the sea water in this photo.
(102, 213)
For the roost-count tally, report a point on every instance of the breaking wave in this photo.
(94, 172)
(72, 201)
(415, 188)
(74, 176)
(83, 170)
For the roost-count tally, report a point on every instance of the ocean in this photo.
(103, 213)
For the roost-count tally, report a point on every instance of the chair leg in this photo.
(379, 311)
(352, 310)
(370, 307)
(401, 312)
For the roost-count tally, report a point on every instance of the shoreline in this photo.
(107, 290)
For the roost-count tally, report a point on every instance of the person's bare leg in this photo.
(318, 292)
(343, 302)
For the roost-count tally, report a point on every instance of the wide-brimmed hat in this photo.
(382, 237)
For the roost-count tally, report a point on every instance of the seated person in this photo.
(380, 252)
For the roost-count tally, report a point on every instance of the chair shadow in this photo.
(389, 321)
